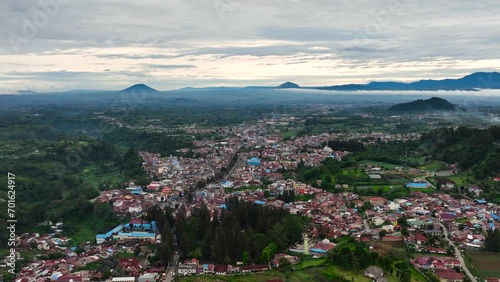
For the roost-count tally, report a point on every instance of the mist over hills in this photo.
(289, 93)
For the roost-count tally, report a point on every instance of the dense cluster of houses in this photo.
(194, 267)
(262, 155)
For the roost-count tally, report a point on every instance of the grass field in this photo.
(424, 190)
(460, 179)
(382, 164)
(257, 277)
(84, 234)
(290, 134)
(89, 227)
(433, 166)
(486, 263)
(385, 187)
(96, 176)
(306, 270)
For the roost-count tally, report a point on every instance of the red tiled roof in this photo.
(448, 274)
(68, 278)
(221, 268)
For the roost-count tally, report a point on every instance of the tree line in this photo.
(351, 255)
(241, 231)
(492, 243)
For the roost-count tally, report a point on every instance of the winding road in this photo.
(458, 254)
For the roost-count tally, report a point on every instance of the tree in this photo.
(492, 243)
(404, 231)
(245, 258)
(382, 233)
(405, 276)
(137, 251)
(167, 245)
(227, 260)
(278, 235)
(184, 245)
(267, 194)
(103, 210)
(166, 253)
(259, 241)
(284, 264)
(265, 255)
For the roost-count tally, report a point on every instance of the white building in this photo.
(123, 279)
(185, 270)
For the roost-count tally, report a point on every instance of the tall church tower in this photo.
(306, 244)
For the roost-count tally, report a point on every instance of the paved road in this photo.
(172, 269)
(367, 226)
(458, 254)
(170, 274)
(465, 196)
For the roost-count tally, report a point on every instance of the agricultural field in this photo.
(487, 264)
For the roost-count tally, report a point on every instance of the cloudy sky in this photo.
(54, 45)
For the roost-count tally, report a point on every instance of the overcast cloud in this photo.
(111, 44)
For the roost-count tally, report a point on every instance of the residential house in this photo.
(374, 272)
(449, 275)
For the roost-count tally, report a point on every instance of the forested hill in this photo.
(474, 149)
(432, 104)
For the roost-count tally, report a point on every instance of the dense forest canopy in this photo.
(472, 148)
(242, 232)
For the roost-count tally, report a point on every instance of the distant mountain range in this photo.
(472, 82)
(475, 81)
(26, 92)
(432, 104)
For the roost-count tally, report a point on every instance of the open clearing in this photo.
(486, 263)
(382, 164)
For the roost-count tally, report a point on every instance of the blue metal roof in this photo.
(494, 216)
(136, 234)
(416, 185)
(258, 202)
(318, 250)
(253, 161)
(110, 233)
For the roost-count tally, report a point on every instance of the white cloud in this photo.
(237, 42)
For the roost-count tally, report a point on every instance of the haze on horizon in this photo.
(55, 45)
